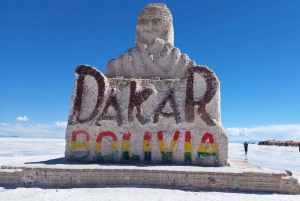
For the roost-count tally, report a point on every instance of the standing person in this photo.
(299, 147)
(246, 147)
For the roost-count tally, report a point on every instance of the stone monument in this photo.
(154, 105)
(154, 54)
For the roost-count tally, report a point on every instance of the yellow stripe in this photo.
(115, 146)
(172, 145)
(161, 145)
(75, 145)
(98, 147)
(147, 146)
(187, 147)
(213, 148)
(126, 145)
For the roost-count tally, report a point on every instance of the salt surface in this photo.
(19, 151)
(268, 157)
(132, 194)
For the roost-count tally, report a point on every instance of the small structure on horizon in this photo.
(280, 143)
(154, 105)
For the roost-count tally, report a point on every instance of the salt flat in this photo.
(19, 151)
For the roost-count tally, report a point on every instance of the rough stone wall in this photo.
(217, 180)
(10, 177)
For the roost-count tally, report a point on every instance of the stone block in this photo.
(162, 110)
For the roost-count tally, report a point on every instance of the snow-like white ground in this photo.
(18, 150)
(268, 157)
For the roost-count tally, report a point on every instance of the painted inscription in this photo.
(206, 148)
(79, 150)
(146, 120)
(187, 147)
(212, 86)
(147, 146)
(114, 144)
(137, 98)
(167, 152)
(126, 149)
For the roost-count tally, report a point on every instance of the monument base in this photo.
(240, 176)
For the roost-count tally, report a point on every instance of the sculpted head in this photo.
(154, 54)
(155, 21)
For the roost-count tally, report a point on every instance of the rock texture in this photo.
(154, 54)
(189, 178)
(146, 120)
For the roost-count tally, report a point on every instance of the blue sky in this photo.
(252, 46)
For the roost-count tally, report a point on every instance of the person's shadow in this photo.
(246, 158)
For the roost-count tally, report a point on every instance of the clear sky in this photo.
(252, 46)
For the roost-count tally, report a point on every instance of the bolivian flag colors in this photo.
(115, 146)
(167, 153)
(147, 146)
(75, 145)
(126, 149)
(187, 147)
(207, 149)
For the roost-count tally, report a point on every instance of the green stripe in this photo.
(126, 157)
(187, 157)
(167, 156)
(81, 158)
(147, 156)
(108, 158)
(206, 154)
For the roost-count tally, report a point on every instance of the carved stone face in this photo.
(155, 21)
(154, 54)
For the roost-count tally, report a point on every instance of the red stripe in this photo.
(147, 136)
(106, 134)
(209, 136)
(160, 135)
(176, 135)
(126, 136)
(187, 137)
(75, 133)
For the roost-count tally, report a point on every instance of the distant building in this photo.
(280, 143)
